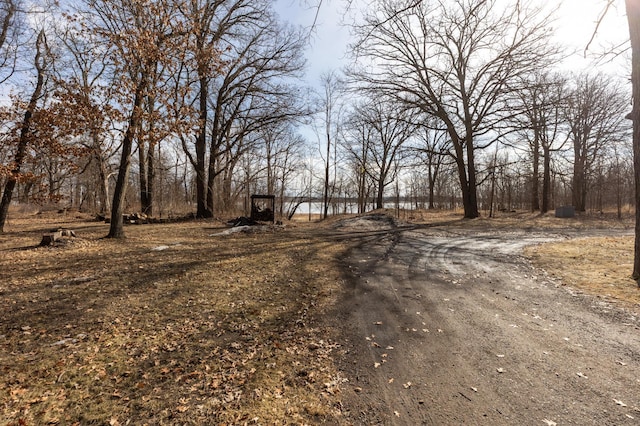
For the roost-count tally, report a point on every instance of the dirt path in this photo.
(445, 325)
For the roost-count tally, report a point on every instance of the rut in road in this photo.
(453, 326)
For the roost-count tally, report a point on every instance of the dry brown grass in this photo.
(600, 266)
(170, 326)
(176, 326)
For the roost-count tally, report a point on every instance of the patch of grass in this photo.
(600, 266)
(170, 326)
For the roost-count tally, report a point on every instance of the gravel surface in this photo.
(445, 325)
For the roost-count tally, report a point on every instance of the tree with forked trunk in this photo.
(459, 61)
(594, 113)
(141, 37)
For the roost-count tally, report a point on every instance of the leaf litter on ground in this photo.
(208, 329)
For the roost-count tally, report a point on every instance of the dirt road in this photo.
(446, 325)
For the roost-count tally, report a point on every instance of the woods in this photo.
(176, 107)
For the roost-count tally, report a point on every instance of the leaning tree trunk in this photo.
(25, 132)
(116, 228)
(633, 16)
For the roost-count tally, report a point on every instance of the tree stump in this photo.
(54, 235)
(50, 238)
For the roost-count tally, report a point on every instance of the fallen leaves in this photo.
(197, 336)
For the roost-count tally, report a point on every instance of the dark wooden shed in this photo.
(263, 208)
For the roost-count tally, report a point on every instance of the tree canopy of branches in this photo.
(390, 130)
(459, 61)
(595, 114)
(141, 38)
(25, 133)
(245, 93)
(541, 126)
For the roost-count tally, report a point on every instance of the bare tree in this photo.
(541, 126)
(459, 61)
(282, 154)
(139, 36)
(331, 84)
(391, 129)
(41, 63)
(595, 116)
(433, 148)
(83, 86)
(248, 93)
(214, 26)
(358, 137)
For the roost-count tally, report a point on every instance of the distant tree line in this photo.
(174, 106)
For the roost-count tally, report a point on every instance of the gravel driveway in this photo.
(444, 325)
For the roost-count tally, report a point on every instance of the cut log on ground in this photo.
(54, 235)
(50, 238)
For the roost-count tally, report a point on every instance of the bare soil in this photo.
(353, 321)
(451, 324)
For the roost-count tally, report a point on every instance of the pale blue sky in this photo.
(329, 38)
(574, 27)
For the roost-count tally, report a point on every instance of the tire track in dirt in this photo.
(453, 327)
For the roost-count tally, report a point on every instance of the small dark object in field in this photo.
(54, 235)
(242, 221)
(565, 212)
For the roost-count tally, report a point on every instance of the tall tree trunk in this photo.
(143, 174)
(147, 183)
(471, 209)
(578, 185)
(618, 187)
(210, 186)
(103, 178)
(546, 180)
(25, 132)
(633, 16)
(201, 146)
(116, 229)
(270, 171)
(325, 196)
(535, 178)
(535, 152)
(380, 194)
(214, 158)
(361, 189)
(433, 170)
